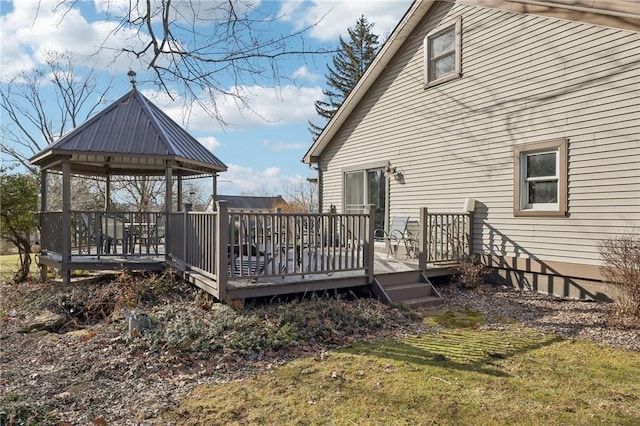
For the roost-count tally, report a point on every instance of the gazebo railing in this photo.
(50, 227)
(105, 233)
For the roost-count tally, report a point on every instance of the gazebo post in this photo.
(44, 189)
(66, 221)
(168, 204)
(179, 200)
(107, 196)
(168, 193)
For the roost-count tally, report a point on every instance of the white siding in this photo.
(525, 79)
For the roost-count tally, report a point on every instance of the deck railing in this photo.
(282, 244)
(192, 240)
(224, 245)
(448, 236)
(50, 226)
(250, 246)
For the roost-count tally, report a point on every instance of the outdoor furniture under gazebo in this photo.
(131, 137)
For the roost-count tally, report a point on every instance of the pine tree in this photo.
(349, 64)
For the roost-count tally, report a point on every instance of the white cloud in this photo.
(209, 142)
(251, 181)
(267, 106)
(36, 27)
(268, 182)
(334, 17)
(281, 146)
(198, 12)
(112, 7)
(304, 73)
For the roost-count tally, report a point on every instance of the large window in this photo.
(442, 54)
(541, 179)
(365, 187)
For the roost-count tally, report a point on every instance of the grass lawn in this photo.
(458, 376)
(9, 264)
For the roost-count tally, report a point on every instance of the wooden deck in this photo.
(245, 255)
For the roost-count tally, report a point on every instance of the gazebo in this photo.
(231, 254)
(131, 137)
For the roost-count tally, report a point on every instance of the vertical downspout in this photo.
(319, 188)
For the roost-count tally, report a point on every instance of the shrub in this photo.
(470, 272)
(621, 267)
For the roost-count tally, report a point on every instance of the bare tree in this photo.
(199, 46)
(88, 192)
(260, 191)
(146, 193)
(302, 195)
(42, 105)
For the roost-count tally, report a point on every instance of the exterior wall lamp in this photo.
(393, 172)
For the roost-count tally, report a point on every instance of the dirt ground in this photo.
(98, 374)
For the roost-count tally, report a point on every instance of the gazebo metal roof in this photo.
(132, 137)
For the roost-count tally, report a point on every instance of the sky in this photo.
(262, 145)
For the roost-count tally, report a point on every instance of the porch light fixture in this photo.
(393, 172)
(389, 171)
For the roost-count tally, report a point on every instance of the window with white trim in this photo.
(541, 179)
(442, 54)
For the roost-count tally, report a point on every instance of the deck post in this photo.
(469, 232)
(469, 206)
(369, 244)
(221, 237)
(424, 234)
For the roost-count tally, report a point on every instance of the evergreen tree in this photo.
(349, 64)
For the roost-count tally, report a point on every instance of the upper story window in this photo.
(442, 53)
(541, 179)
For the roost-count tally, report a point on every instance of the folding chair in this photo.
(397, 233)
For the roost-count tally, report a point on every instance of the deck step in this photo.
(397, 278)
(422, 301)
(410, 288)
(406, 291)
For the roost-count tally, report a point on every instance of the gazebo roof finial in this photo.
(132, 78)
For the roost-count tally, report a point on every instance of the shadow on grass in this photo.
(460, 349)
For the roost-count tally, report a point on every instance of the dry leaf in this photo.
(89, 336)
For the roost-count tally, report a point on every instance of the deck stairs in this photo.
(411, 288)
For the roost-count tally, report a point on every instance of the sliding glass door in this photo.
(364, 187)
